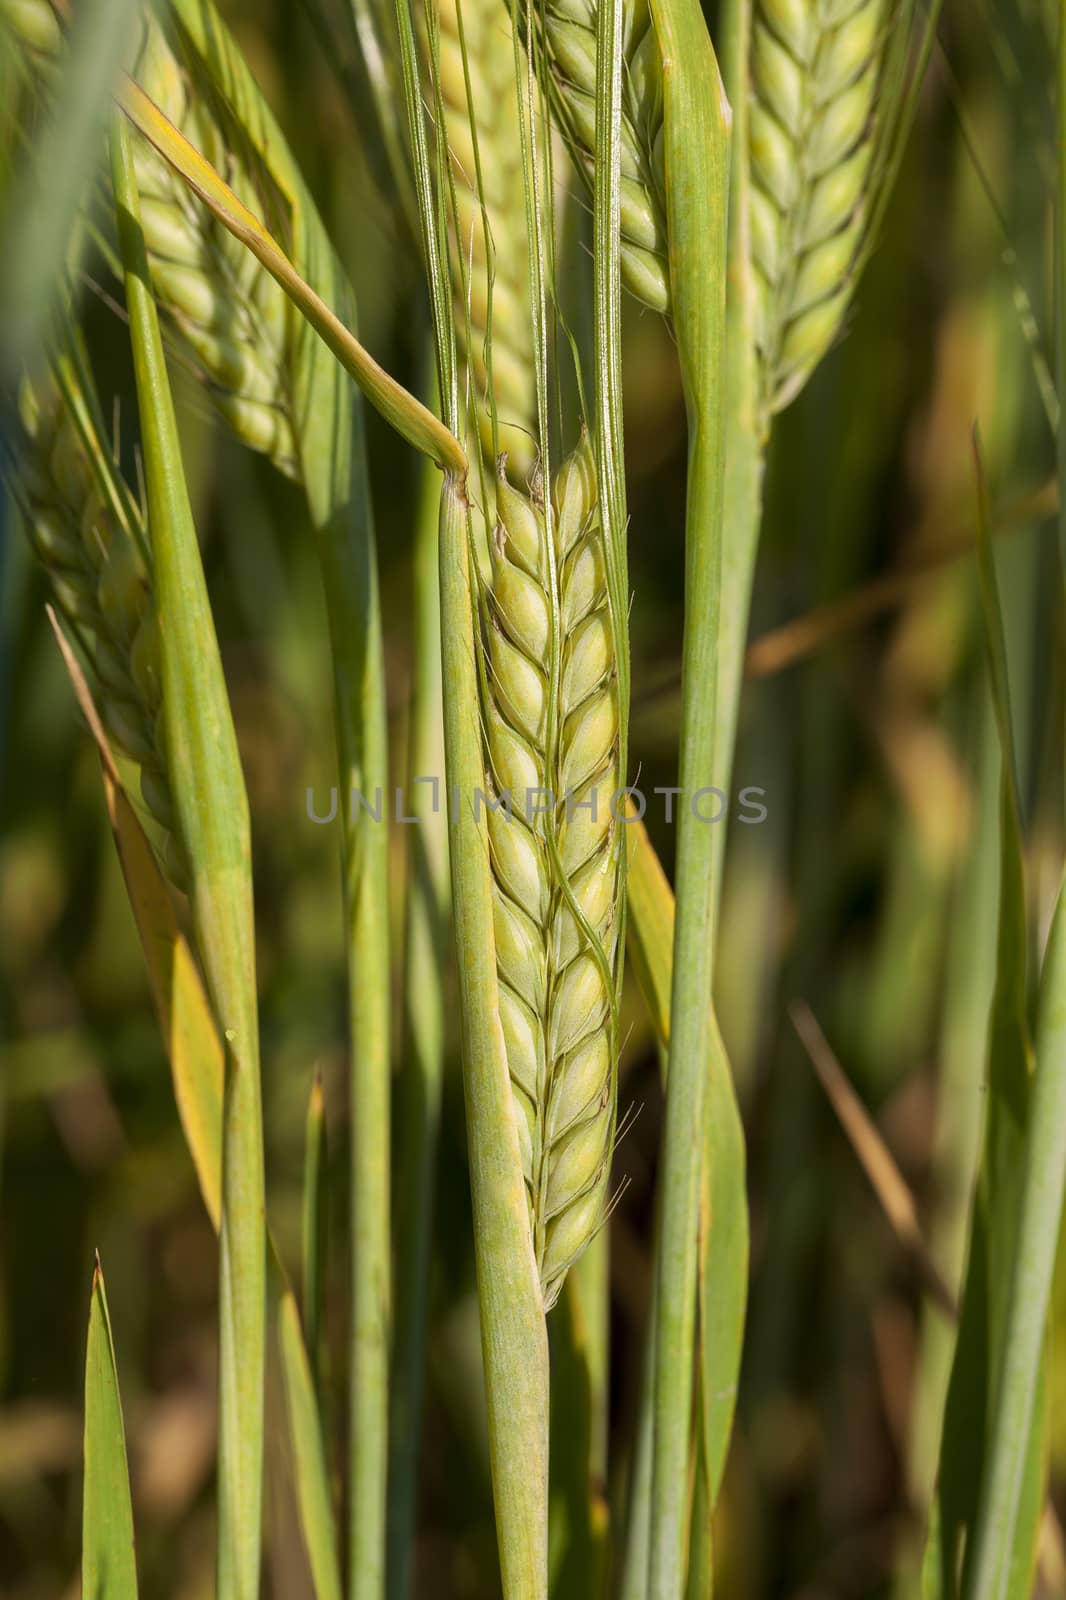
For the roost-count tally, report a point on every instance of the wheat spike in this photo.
(479, 271)
(567, 29)
(551, 720)
(35, 26)
(229, 311)
(87, 533)
(815, 79)
(226, 311)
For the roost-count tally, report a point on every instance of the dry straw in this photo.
(551, 718)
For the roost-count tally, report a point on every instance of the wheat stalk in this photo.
(816, 68)
(87, 532)
(551, 721)
(567, 31)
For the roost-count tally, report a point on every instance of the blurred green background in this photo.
(869, 891)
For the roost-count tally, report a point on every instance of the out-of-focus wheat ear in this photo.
(212, 808)
(89, 536)
(41, 209)
(832, 90)
(229, 313)
(815, 73)
(235, 344)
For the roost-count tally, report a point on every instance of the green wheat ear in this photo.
(551, 719)
(490, 274)
(827, 85)
(231, 319)
(231, 316)
(89, 537)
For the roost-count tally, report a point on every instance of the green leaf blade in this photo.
(697, 122)
(997, 1549)
(723, 1225)
(212, 811)
(311, 1474)
(108, 1562)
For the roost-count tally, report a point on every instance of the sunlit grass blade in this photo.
(696, 123)
(971, 1439)
(311, 1476)
(108, 1564)
(313, 1233)
(41, 210)
(723, 1235)
(651, 926)
(212, 813)
(399, 408)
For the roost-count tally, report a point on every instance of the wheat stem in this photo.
(514, 1338)
(697, 123)
(422, 1070)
